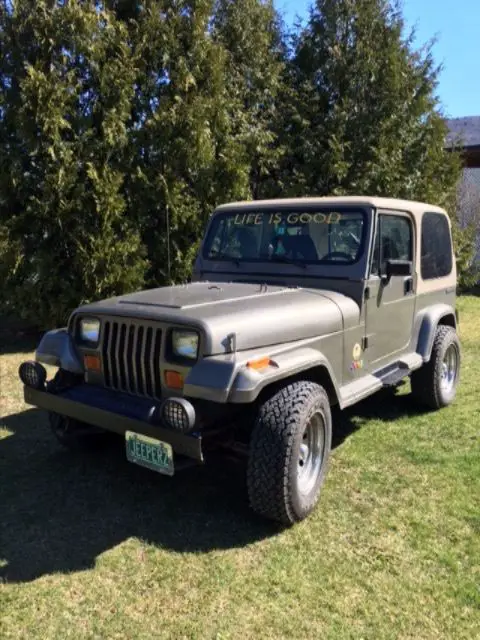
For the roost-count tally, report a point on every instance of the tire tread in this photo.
(271, 449)
(425, 381)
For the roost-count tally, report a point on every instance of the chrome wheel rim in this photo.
(449, 369)
(310, 455)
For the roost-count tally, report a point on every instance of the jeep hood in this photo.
(259, 315)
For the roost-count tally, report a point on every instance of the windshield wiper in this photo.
(287, 260)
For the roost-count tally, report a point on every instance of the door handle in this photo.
(408, 285)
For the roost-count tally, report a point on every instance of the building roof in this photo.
(464, 135)
(464, 131)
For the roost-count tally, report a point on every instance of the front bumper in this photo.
(115, 412)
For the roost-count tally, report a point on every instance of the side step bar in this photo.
(393, 375)
(386, 377)
(398, 371)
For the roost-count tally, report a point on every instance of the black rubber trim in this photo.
(190, 446)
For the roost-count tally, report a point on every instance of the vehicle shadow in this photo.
(386, 405)
(60, 510)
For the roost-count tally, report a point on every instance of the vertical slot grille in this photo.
(131, 358)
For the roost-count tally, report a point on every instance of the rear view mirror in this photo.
(399, 268)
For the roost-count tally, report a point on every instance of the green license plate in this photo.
(149, 452)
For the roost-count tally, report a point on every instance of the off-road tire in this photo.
(274, 456)
(426, 382)
(75, 435)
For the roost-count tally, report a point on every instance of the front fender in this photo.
(249, 383)
(228, 379)
(56, 348)
(211, 378)
(430, 320)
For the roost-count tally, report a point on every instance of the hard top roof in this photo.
(415, 208)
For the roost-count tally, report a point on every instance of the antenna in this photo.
(167, 220)
(168, 243)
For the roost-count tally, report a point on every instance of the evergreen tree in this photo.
(207, 76)
(66, 87)
(362, 115)
(182, 158)
(251, 34)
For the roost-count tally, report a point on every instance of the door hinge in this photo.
(366, 294)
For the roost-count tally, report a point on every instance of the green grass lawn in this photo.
(93, 547)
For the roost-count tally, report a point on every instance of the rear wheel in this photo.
(289, 452)
(75, 435)
(435, 384)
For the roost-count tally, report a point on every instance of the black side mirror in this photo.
(399, 268)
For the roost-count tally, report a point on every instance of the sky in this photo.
(456, 25)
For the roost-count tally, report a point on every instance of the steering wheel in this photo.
(337, 254)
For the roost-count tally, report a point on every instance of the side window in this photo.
(436, 257)
(393, 241)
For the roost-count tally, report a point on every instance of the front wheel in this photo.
(435, 384)
(289, 452)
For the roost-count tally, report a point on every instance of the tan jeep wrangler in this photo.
(295, 306)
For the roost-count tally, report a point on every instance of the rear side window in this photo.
(436, 259)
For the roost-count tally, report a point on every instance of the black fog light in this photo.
(178, 414)
(32, 374)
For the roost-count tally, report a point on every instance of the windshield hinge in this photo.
(230, 343)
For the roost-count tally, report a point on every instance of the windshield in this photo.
(310, 237)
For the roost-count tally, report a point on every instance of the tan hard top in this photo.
(415, 208)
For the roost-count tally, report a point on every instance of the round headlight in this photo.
(185, 344)
(89, 330)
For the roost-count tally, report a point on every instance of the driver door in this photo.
(391, 301)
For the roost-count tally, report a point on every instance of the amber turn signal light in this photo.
(261, 363)
(92, 363)
(174, 380)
